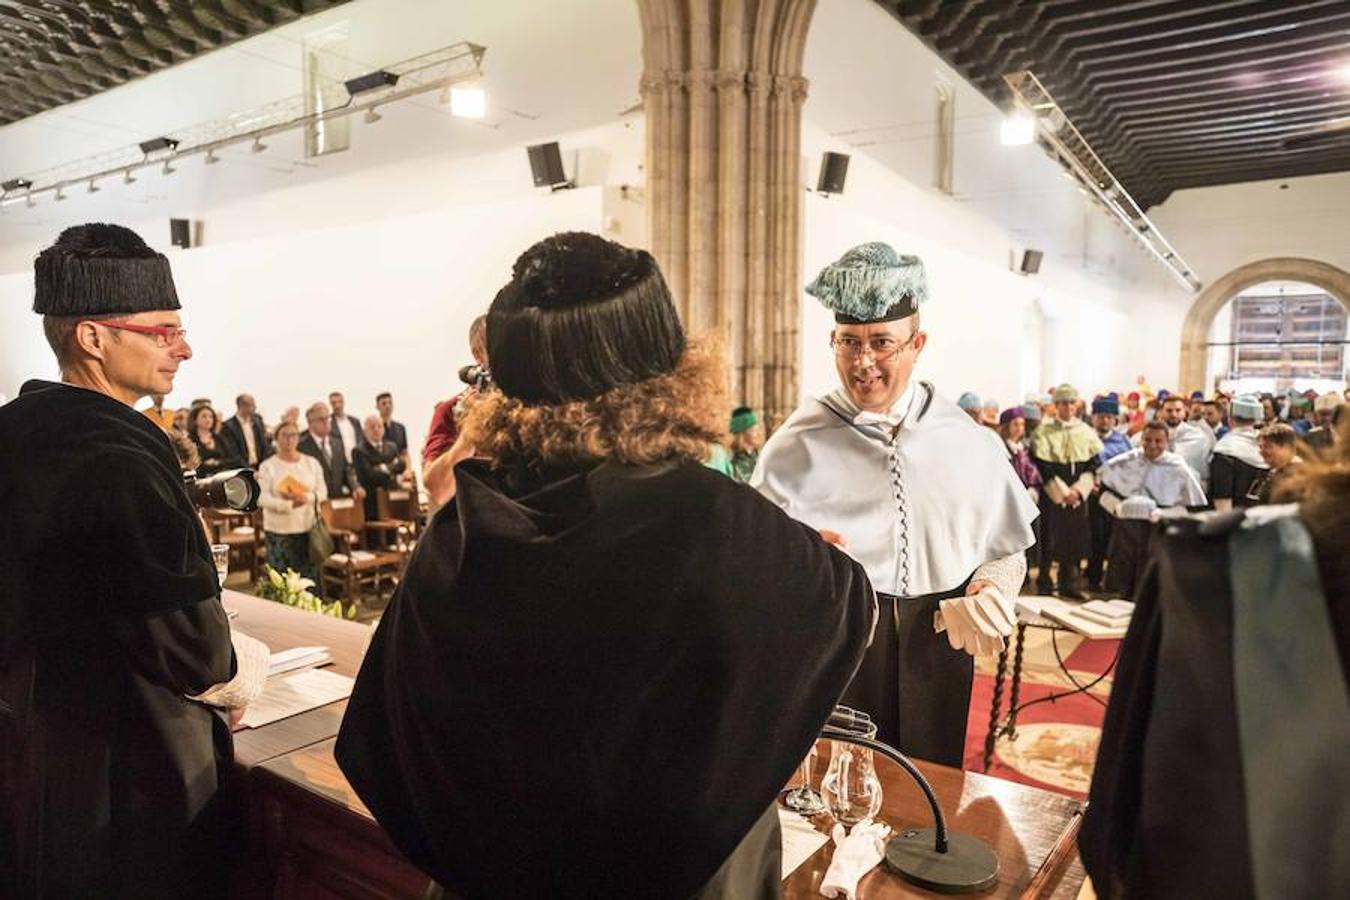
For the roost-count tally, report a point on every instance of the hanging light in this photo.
(258, 145)
(372, 116)
(1017, 130)
(468, 102)
(211, 158)
(128, 178)
(28, 200)
(60, 193)
(168, 169)
(93, 188)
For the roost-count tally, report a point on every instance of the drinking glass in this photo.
(851, 788)
(220, 555)
(804, 799)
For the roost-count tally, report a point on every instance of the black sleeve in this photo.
(1221, 477)
(186, 650)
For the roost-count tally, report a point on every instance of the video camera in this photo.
(476, 376)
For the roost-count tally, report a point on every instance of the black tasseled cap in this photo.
(98, 269)
(581, 315)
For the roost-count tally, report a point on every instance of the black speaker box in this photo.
(180, 232)
(1031, 262)
(546, 164)
(833, 171)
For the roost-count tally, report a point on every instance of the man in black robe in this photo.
(110, 619)
(605, 659)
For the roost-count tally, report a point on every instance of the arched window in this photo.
(1278, 335)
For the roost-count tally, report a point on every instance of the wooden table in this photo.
(310, 835)
(281, 627)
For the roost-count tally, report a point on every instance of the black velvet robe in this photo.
(109, 617)
(593, 683)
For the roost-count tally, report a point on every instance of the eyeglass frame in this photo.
(165, 335)
(865, 348)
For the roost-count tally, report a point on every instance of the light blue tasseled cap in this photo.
(1247, 406)
(969, 401)
(871, 283)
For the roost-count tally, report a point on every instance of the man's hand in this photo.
(359, 493)
(833, 537)
(236, 716)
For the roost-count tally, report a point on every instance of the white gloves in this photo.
(977, 623)
(1140, 507)
(854, 856)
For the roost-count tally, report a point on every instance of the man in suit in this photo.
(323, 443)
(348, 428)
(394, 432)
(245, 431)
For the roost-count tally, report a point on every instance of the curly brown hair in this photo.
(1321, 487)
(668, 417)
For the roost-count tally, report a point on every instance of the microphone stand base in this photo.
(968, 866)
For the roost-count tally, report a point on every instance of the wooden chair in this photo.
(397, 525)
(353, 566)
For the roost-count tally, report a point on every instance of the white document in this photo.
(298, 658)
(1068, 615)
(290, 695)
(800, 840)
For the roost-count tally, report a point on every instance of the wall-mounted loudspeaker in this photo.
(833, 171)
(1031, 262)
(547, 167)
(180, 232)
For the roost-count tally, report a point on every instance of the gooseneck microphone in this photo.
(932, 858)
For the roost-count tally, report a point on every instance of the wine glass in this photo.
(804, 799)
(220, 555)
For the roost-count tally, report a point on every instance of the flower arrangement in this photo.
(292, 589)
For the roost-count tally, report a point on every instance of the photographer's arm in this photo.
(439, 476)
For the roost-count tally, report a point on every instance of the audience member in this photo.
(1191, 441)
(182, 419)
(1328, 412)
(1012, 427)
(378, 464)
(394, 432)
(747, 438)
(1137, 487)
(157, 413)
(971, 405)
(245, 432)
(325, 445)
(292, 415)
(293, 485)
(989, 414)
(443, 449)
(215, 451)
(1278, 445)
(1237, 464)
(347, 427)
(1105, 418)
(1065, 450)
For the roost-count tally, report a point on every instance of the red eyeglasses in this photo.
(164, 335)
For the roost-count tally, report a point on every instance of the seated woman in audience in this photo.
(604, 660)
(1223, 768)
(292, 488)
(216, 452)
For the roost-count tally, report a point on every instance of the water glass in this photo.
(220, 555)
(851, 788)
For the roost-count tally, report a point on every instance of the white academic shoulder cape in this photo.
(920, 510)
(1169, 480)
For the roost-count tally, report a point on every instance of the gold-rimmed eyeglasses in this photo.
(881, 347)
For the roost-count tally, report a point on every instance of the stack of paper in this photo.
(298, 658)
(1100, 622)
(800, 840)
(298, 692)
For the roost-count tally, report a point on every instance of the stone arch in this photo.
(1195, 330)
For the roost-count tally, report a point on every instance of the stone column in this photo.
(723, 93)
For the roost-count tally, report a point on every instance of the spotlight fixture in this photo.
(128, 178)
(211, 158)
(16, 184)
(159, 143)
(468, 102)
(168, 169)
(93, 188)
(61, 193)
(258, 145)
(28, 200)
(1017, 130)
(372, 116)
(371, 81)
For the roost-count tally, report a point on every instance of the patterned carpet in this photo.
(1056, 741)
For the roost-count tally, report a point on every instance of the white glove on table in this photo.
(977, 623)
(854, 856)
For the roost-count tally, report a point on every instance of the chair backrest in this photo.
(343, 514)
(397, 504)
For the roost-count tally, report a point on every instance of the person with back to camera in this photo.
(605, 660)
